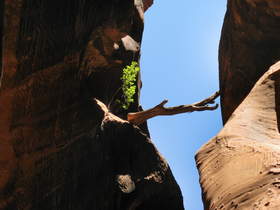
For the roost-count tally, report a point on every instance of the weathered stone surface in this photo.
(56, 149)
(250, 44)
(239, 168)
(132, 159)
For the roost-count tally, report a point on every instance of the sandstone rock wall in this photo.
(249, 45)
(56, 149)
(239, 167)
(1, 34)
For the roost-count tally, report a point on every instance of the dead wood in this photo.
(138, 118)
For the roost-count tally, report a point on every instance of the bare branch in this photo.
(138, 118)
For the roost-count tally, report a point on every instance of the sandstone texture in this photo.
(59, 147)
(239, 167)
(250, 44)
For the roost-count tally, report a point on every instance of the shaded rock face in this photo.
(1, 33)
(141, 177)
(147, 4)
(249, 45)
(59, 149)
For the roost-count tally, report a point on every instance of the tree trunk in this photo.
(138, 118)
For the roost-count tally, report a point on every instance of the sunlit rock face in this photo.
(239, 167)
(250, 44)
(60, 148)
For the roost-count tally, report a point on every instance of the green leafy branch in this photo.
(129, 83)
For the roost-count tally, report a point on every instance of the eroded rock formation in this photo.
(239, 168)
(250, 44)
(60, 149)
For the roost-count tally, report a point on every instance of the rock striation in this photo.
(59, 148)
(239, 167)
(249, 46)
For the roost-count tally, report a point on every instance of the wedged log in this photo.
(138, 118)
(240, 167)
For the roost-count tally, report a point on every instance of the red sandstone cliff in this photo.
(60, 148)
(239, 168)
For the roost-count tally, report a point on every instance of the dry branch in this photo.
(138, 118)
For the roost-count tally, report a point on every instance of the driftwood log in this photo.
(138, 118)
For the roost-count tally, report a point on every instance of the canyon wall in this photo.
(249, 45)
(64, 141)
(239, 168)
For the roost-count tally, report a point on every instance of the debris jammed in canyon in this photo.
(138, 118)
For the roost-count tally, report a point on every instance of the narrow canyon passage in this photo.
(179, 62)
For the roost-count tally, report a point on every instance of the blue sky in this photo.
(180, 63)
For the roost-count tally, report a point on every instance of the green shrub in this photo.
(129, 83)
